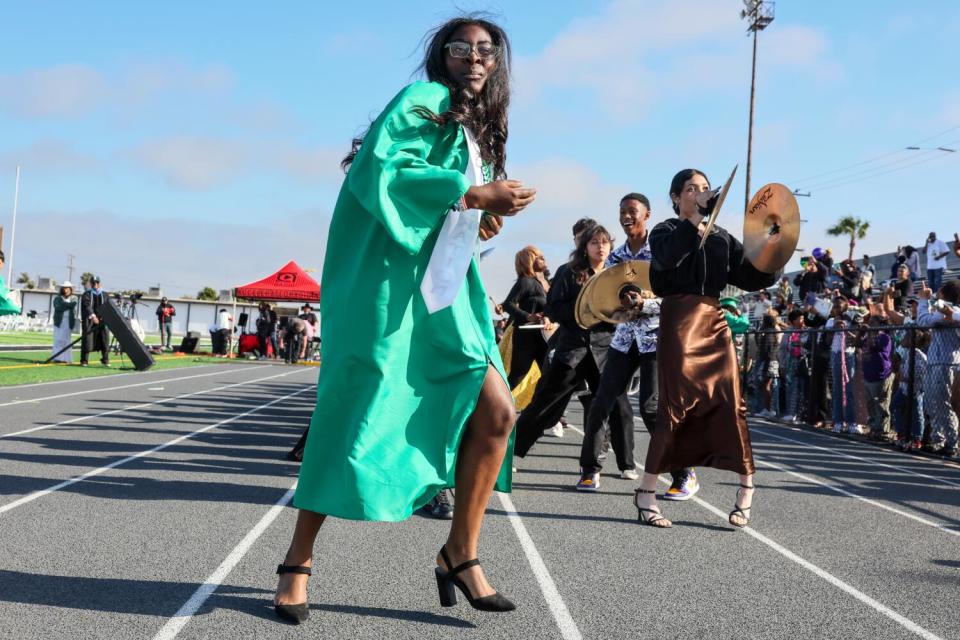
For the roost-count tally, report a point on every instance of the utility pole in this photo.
(13, 227)
(70, 266)
(759, 14)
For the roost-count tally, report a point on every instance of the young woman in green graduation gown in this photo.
(7, 306)
(408, 401)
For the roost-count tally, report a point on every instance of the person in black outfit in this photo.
(267, 330)
(95, 336)
(701, 417)
(850, 279)
(813, 279)
(820, 400)
(579, 355)
(165, 312)
(525, 304)
(901, 289)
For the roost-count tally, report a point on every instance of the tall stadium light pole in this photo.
(759, 14)
(13, 227)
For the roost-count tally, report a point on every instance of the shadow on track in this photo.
(158, 598)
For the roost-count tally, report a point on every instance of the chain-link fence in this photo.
(896, 384)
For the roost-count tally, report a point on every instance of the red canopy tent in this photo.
(289, 283)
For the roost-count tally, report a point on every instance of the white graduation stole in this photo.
(456, 243)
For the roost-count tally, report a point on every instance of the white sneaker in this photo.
(789, 418)
(854, 428)
(629, 474)
(556, 431)
(838, 427)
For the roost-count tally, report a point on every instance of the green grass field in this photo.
(19, 367)
(41, 337)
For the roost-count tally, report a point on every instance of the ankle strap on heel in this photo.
(644, 490)
(451, 570)
(289, 568)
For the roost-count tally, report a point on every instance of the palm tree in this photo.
(25, 281)
(854, 227)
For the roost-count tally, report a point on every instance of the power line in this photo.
(871, 160)
(882, 169)
(881, 173)
(907, 160)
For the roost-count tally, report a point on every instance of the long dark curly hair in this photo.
(484, 114)
(580, 259)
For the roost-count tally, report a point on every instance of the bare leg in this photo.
(648, 483)
(481, 454)
(744, 500)
(292, 588)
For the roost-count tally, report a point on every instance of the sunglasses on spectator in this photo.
(459, 49)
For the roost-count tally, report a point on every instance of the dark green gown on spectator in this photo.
(397, 384)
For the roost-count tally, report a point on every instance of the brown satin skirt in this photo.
(702, 418)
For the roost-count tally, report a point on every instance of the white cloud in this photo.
(198, 163)
(182, 254)
(49, 156)
(63, 90)
(633, 55)
(567, 191)
(193, 163)
(78, 90)
(950, 112)
(307, 164)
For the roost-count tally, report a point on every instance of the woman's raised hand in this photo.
(503, 197)
(490, 225)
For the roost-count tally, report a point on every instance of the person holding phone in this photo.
(411, 399)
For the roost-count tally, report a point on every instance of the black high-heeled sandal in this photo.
(742, 512)
(448, 580)
(653, 520)
(293, 613)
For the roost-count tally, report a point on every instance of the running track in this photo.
(153, 506)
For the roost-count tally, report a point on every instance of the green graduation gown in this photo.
(396, 384)
(6, 304)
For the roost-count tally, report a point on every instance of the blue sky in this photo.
(195, 144)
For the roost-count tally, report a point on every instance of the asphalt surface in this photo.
(145, 506)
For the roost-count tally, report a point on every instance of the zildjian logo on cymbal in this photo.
(761, 200)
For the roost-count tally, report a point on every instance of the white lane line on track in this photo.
(139, 406)
(568, 628)
(95, 378)
(126, 386)
(95, 472)
(850, 494)
(215, 579)
(903, 621)
(829, 577)
(837, 452)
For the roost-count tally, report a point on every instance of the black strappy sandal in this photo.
(653, 520)
(742, 512)
(293, 613)
(447, 580)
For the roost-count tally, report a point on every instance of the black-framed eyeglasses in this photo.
(459, 49)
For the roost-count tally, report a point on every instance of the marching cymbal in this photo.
(771, 228)
(603, 297)
(581, 311)
(716, 208)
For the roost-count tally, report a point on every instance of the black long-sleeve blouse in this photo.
(679, 267)
(527, 296)
(572, 341)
